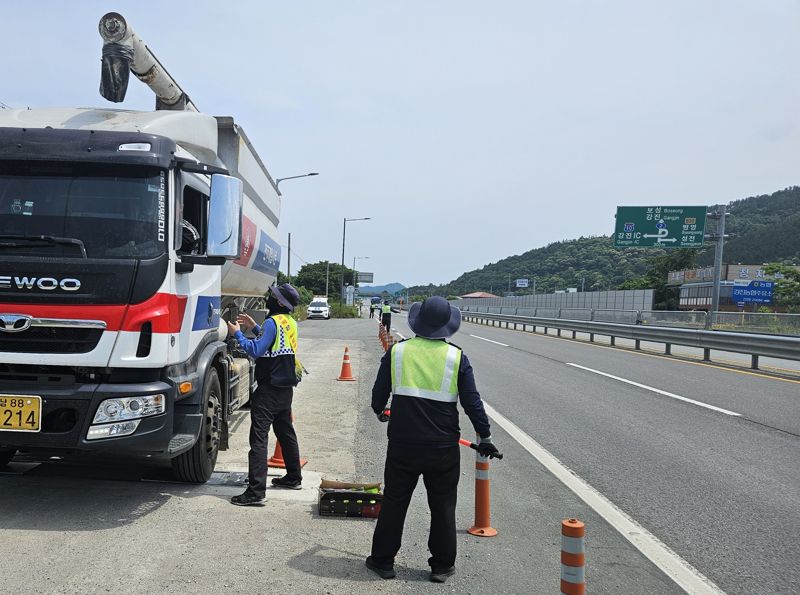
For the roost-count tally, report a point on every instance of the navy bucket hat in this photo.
(434, 318)
(286, 295)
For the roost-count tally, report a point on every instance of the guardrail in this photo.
(744, 322)
(756, 322)
(755, 345)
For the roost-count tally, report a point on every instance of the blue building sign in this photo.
(752, 292)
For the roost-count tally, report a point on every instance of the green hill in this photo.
(764, 229)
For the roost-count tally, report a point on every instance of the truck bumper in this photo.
(67, 415)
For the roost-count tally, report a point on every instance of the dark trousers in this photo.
(371, 312)
(271, 406)
(386, 321)
(440, 470)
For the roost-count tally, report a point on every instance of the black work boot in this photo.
(381, 570)
(248, 498)
(439, 575)
(287, 482)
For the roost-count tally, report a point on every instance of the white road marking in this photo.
(489, 340)
(686, 576)
(659, 391)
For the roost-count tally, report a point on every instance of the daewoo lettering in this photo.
(43, 283)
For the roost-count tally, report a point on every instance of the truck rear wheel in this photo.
(6, 456)
(197, 464)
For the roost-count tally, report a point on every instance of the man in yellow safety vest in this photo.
(425, 376)
(386, 316)
(274, 349)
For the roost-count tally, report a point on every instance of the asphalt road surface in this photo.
(703, 457)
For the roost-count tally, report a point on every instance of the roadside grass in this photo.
(343, 311)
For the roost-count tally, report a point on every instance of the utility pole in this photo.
(720, 237)
(344, 233)
(327, 275)
(509, 283)
(289, 258)
(583, 284)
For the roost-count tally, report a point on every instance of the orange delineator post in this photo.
(346, 374)
(573, 557)
(483, 525)
(382, 335)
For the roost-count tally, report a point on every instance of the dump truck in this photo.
(127, 239)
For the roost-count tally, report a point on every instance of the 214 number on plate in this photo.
(20, 413)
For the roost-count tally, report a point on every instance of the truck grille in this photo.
(38, 339)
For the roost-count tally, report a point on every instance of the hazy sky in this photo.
(469, 131)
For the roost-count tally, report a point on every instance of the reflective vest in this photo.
(426, 368)
(386, 309)
(285, 338)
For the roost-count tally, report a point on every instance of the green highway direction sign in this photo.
(666, 227)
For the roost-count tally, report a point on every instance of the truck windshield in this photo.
(112, 211)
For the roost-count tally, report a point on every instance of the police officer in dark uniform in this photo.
(425, 376)
(274, 350)
(386, 316)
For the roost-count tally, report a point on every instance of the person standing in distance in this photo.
(425, 376)
(274, 350)
(386, 316)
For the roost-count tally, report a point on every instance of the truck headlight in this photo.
(125, 408)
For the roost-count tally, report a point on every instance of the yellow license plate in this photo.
(20, 413)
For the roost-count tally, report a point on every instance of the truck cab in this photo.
(126, 239)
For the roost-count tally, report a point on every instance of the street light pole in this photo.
(344, 235)
(279, 180)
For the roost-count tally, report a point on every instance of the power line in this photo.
(300, 258)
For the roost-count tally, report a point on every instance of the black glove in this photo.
(487, 449)
(382, 417)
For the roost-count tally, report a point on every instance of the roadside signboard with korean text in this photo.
(665, 227)
(752, 292)
(365, 277)
(522, 283)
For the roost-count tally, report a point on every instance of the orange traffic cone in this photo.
(347, 372)
(276, 460)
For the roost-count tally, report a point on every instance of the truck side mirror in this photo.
(225, 217)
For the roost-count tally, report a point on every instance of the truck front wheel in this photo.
(6, 456)
(197, 464)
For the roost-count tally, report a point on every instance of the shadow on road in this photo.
(329, 562)
(62, 497)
